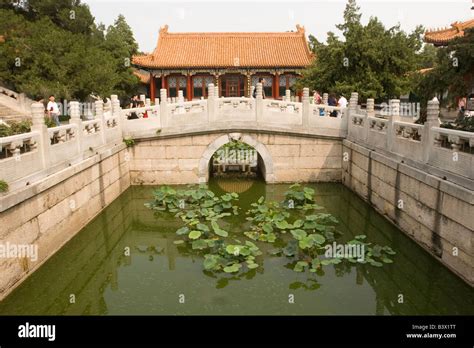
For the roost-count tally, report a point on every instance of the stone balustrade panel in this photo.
(377, 132)
(283, 113)
(235, 109)
(408, 139)
(187, 114)
(92, 137)
(149, 120)
(453, 151)
(64, 143)
(357, 126)
(112, 128)
(19, 156)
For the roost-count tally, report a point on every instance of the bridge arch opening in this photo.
(263, 158)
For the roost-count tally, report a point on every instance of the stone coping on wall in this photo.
(15, 197)
(450, 183)
(178, 133)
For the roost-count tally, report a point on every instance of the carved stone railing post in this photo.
(75, 114)
(393, 115)
(287, 95)
(37, 115)
(394, 109)
(147, 102)
(164, 108)
(306, 106)
(99, 115)
(346, 115)
(370, 107)
(117, 112)
(432, 120)
(211, 104)
(259, 103)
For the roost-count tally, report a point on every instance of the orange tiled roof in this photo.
(144, 77)
(443, 36)
(223, 50)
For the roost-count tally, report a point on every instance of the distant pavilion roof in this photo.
(225, 50)
(441, 37)
(144, 77)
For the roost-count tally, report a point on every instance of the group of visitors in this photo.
(135, 102)
(332, 101)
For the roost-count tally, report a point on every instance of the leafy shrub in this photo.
(129, 142)
(3, 186)
(462, 123)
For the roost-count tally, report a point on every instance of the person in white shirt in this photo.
(53, 110)
(342, 102)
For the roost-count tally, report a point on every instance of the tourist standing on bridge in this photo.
(332, 101)
(262, 81)
(317, 98)
(134, 103)
(53, 110)
(342, 102)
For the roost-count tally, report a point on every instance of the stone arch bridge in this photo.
(294, 140)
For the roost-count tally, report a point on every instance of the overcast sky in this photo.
(318, 16)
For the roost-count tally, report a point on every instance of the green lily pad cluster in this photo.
(232, 257)
(301, 233)
(375, 254)
(200, 209)
(304, 233)
(299, 197)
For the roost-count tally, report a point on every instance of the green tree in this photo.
(370, 59)
(453, 72)
(120, 42)
(43, 55)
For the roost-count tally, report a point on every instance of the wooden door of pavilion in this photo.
(233, 85)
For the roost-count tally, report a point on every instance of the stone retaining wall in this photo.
(436, 213)
(50, 212)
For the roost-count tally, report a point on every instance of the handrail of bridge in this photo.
(445, 149)
(43, 148)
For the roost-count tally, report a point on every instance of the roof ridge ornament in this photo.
(300, 28)
(164, 29)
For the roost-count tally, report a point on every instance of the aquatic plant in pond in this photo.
(299, 232)
(200, 210)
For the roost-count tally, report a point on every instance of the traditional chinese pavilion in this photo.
(232, 61)
(441, 37)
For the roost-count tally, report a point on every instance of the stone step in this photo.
(8, 114)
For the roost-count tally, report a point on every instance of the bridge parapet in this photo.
(34, 155)
(234, 112)
(444, 149)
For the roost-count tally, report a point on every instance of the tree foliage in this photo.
(54, 47)
(453, 72)
(370, 59)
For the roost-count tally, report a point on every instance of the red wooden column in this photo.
(152, 88)
(300, 92)
(276, 86)
(189, 94)
(163, 81)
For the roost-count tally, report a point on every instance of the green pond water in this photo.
(158, 274)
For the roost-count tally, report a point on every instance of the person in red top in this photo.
(317, 98)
